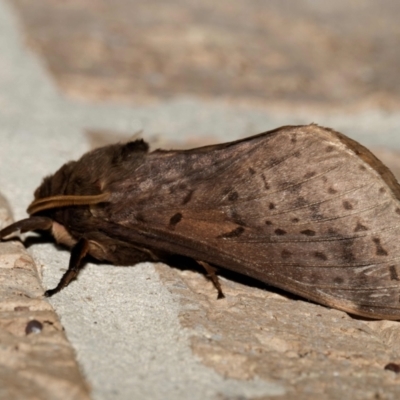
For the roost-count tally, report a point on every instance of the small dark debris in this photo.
(33, 326)
(393, 367)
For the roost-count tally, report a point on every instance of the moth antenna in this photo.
(65, 201)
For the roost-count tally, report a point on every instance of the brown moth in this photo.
(302, 208)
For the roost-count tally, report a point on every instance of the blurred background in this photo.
(309, 53)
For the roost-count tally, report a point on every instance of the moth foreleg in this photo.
(212, 275)
(78, 253)
(27, 225)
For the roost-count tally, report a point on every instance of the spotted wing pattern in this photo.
(301, 208)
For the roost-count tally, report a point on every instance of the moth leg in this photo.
(26, 225)
(78, 253)
(211, 274)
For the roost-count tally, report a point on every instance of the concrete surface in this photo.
(151, 332)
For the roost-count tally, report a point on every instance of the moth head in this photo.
(87, 181)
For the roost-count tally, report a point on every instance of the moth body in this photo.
(302, 208)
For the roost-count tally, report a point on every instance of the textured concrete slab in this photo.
(152, 332)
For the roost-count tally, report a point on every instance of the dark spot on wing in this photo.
(271, 206)
(295, 220)
(393, 273)
(329, 149)
(338, 280)
(300, 202)
(362, 167)
(320, 256)
(297, 154)
(315, 214)
(398, 210)
(308, 232)
(331, 190)
(280, 232)
(236, 218)
(233, 196)
(286, 254)
(347, 205)
(188, 197)
(232, 234)
(332, 231)
(293, 139)
(382, 190)
(380, 251)
(324, 179)
(309, 175)
(175, 219)
(360, 227)
(266, 184)
(268, 222)
(251, 170)
(140, 217)
(347, 251)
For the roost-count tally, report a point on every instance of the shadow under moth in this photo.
(302, 208)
